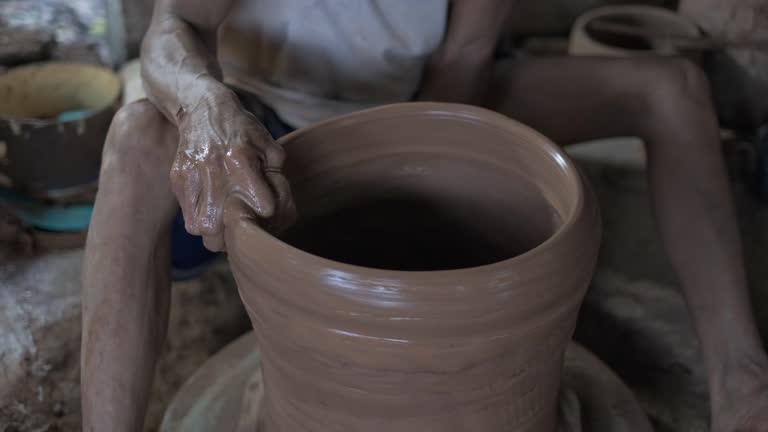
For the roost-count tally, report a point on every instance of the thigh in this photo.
(572, 99)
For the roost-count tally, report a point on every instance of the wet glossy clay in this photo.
(432, 282)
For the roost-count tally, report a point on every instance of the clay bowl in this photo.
(432, 282)
(53, 121)
(587, 41)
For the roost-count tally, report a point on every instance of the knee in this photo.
(674, 83)
(135, 135)
(668, 93)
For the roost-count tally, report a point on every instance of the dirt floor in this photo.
(634, 317)
(206, 314)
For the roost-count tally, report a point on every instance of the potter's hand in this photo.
(224, 152)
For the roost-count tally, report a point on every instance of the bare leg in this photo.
(666, 103)
(126, 274)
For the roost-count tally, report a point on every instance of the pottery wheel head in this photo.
(226, 392)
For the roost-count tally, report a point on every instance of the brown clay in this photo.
(461, 244)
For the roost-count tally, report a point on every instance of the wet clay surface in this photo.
(375, 346)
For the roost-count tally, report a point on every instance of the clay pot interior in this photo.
(414, 225)
(45, 90)
(630, 42)
(419, 194)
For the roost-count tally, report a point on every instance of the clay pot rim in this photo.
(245, 226)
(114, 99)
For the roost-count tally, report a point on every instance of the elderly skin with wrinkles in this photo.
(198, 145)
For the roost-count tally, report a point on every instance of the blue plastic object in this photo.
(74, 115)
(189, 256)
(68, 218)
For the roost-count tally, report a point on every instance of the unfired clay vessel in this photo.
(432, 282)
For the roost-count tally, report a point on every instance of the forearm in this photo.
(179, 66)
(461, 68)
(459, 81)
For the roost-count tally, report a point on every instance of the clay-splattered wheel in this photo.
(214, 397)
(225, 394)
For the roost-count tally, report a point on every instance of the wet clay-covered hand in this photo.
(223, 150)
(225, 153)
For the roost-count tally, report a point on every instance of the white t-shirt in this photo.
(315, 59)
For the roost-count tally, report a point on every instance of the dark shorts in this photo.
(189, 255)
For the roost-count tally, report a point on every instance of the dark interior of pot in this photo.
(46, 90)
(625, 41)
(420, 212)
(657, 23)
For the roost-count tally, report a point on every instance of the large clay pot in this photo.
(432, 282)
